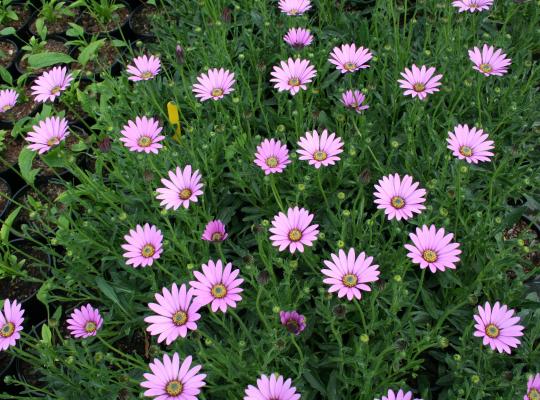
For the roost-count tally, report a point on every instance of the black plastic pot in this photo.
(22, 34)
(149, 35)
(55, 38)
(119, 32)
(11, 66)
(5, 207)
(32, 26)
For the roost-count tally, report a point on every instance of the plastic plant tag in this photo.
(174, 119)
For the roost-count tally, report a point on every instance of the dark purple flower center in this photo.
(292, 326)
(174, 388)
(295, 235)
(179, 318)
(429, 255)
(397, 202)
(219, 291)
(350, 280)
(185, 194)
(492, 331)
(7, 330)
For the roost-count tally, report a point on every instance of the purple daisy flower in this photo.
(51, 84)
(293, 75)
(214, 85)
(47, 134)
(354, 100)
(274, 387)
(320, 150)
(298, 37)
(11, 321)
(84, 322)
(182, 188)
(143, 245)
(470, 144)
(292, 321)
(143, 135)
(8, 99)
(419, 82)
(293, 230)
(272, 156)
(489, 61)
(533, 388)
(472, 5)
(214, 231)
(399, 198)
(348, 58)
(294, 7)
(144, 68)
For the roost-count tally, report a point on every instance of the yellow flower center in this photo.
(294, 82)
(7, 107)
(7, 330)
(350, 280)
(465, 151)
(179, 318)
(272, 162)
(295, 235)
(147, 75)
(419, 87)
(320, 156)
(90, 327)
(398, 202)
(486, 68)
(185, 194)
(174, 388)
(534, 394)
(144, 141)
(217, 92)
(148, 251)
(292, 326)
(216, 237)
(219, 291)
(430, 256)
(349, 66)
(53, 141)
(55, 89)
(492, 331)
(293, 11)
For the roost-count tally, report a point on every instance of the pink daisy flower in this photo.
(274, 387)
(143, 135)
(214, 85)
(84, 322)
(348, 274)
(182, 188)
(400, 395)
(354, 100)
(399, 198)
(419, 82)
(298, 37)
(11, 321)
(217, 286)
(293, 230)
(533, 388)
(214, 231)
(176, 314)
(8, 99)
(292, 321)
(272, 156)
(470, 144)
(498, 328)
(348, 58)
(51, 83)
(293, 75)
(432, 248)
(472, 5)
(489, 61)
(47, 134)
(144, 68)
(294, 7)
(143, 245)
(172, 380)
(320, 150)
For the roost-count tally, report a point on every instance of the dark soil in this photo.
(91, 26)
(10, 155)
(5, 193)
(141, 21)
(106, 57)
(51, 46)
(522, 230)
(5, 359)
(28, 373)
(24, 15)
(19, 287)
(60, 25)
(8, 52)
(21, 109)
(138, 343)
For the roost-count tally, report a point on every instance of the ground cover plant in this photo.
(272, 200)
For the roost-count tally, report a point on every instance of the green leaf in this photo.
(315, 382)
(109, 291)
(41, 29)
(75, 30)
(55, 158)
(8, 31)
(6, 76)
(46, 335)
(89, 51)
(47, 59)
(79, 146)
(26, 157)
(6, 226)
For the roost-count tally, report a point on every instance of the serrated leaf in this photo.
(47, 59)
(6, 226)
(26, 157)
